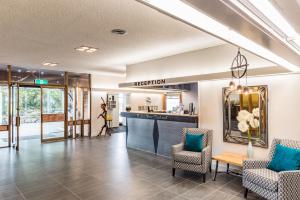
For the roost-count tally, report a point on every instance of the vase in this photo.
(250, 150)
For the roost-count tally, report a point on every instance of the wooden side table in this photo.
(230, 159)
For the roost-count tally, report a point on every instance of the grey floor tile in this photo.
(182, 187)
(199, 192)
(103, 168)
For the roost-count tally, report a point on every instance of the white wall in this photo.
(191, 97)
(139, 99)
(284, 110)
(106, 81)
(204, 61)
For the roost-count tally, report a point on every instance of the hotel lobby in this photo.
(149, 99)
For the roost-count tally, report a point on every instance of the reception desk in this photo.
(156, 132)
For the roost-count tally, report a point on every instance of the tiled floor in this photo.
(102, 168)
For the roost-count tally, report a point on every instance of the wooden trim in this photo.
(9, 106)
(53, 139)
(82, 124)
(53, 117)
(180, 98)
(66, 105)
(4, 127)
(18, 117)
(75, 110)
(164, 102)
(90, 94)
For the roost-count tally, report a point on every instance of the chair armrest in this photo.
(255, 164)
(289, 184)
(206, 156)
(177, 148)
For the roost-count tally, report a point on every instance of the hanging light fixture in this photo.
(239, 67)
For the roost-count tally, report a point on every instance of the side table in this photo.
(230, 159)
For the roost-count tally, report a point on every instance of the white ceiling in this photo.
(290, 9)
(35, 31)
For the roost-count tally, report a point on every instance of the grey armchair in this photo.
(270, 184)
(193, 161)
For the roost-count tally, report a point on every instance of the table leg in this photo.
(227, 171)
(217, 165)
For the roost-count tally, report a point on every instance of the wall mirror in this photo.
(233, 103)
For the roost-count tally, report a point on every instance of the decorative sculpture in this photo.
(104, 116)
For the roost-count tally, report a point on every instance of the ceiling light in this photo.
(53, 64)
(86, 49)
(50, 64)
(267, 16)
(119, 31)
(46, 63)
(91, 50)
(200, 20)
(82, 48)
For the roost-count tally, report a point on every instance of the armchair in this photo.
(270, 184)
(193, 161)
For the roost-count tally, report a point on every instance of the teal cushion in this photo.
(193, 142)
(285, 159)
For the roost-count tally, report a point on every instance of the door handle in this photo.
(18, 121)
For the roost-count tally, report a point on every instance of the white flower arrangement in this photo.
(247, 120)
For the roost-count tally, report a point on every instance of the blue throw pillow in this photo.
(193, 142)
(285, 159)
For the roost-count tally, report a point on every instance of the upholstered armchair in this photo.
(193, 161)
(270, 184)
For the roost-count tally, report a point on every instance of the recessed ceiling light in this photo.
(53, 64)
(86, 49)
(50, 64)
(119, 31)
(46, 63)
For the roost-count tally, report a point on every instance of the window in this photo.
(172, 101)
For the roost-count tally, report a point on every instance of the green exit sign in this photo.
(41, 82)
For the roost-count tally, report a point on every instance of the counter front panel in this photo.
(156, 133)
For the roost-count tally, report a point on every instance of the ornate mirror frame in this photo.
(232, 105)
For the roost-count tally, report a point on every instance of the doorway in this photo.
(38, 113)
(26, 112)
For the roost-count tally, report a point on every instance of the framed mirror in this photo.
(233, 103)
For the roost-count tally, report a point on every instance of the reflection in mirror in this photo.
(233, 103)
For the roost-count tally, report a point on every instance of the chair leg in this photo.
(246, 193)
(204, 178)
(173, 171)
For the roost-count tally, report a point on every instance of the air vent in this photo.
(118, 31)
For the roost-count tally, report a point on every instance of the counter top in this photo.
(160, 113)
(161, 116)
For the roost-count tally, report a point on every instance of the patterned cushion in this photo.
(265, 178)
(188, 157)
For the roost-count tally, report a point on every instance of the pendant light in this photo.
(239, 67)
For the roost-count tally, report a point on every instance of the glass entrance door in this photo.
(78, 112)
(26, 113)
(4, 116)
(53, 114)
